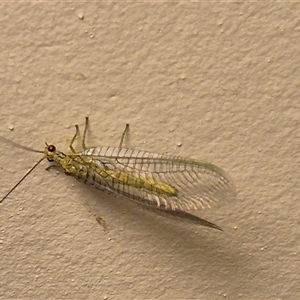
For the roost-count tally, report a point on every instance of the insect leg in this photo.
(84, 132)
(122, 138)
(73, 139)
(123, 135)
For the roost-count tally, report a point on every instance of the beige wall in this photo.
(222, 79)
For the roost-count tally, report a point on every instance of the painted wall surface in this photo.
(218, 82)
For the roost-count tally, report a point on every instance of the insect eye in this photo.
(50, 159)
(51, 148)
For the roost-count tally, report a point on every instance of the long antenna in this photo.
(22, 178)
(19, 146)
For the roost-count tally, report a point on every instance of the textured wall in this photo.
(220, 79)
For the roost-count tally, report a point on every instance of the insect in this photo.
(170, 184)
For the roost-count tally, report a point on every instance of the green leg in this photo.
(77, 133)
(123, 136)
(73, 139)
(51, 167)
(84, 132)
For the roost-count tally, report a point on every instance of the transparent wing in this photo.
(145, 177)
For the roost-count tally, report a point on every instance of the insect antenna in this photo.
(19, 146)
(35, 165)
(24, 148)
